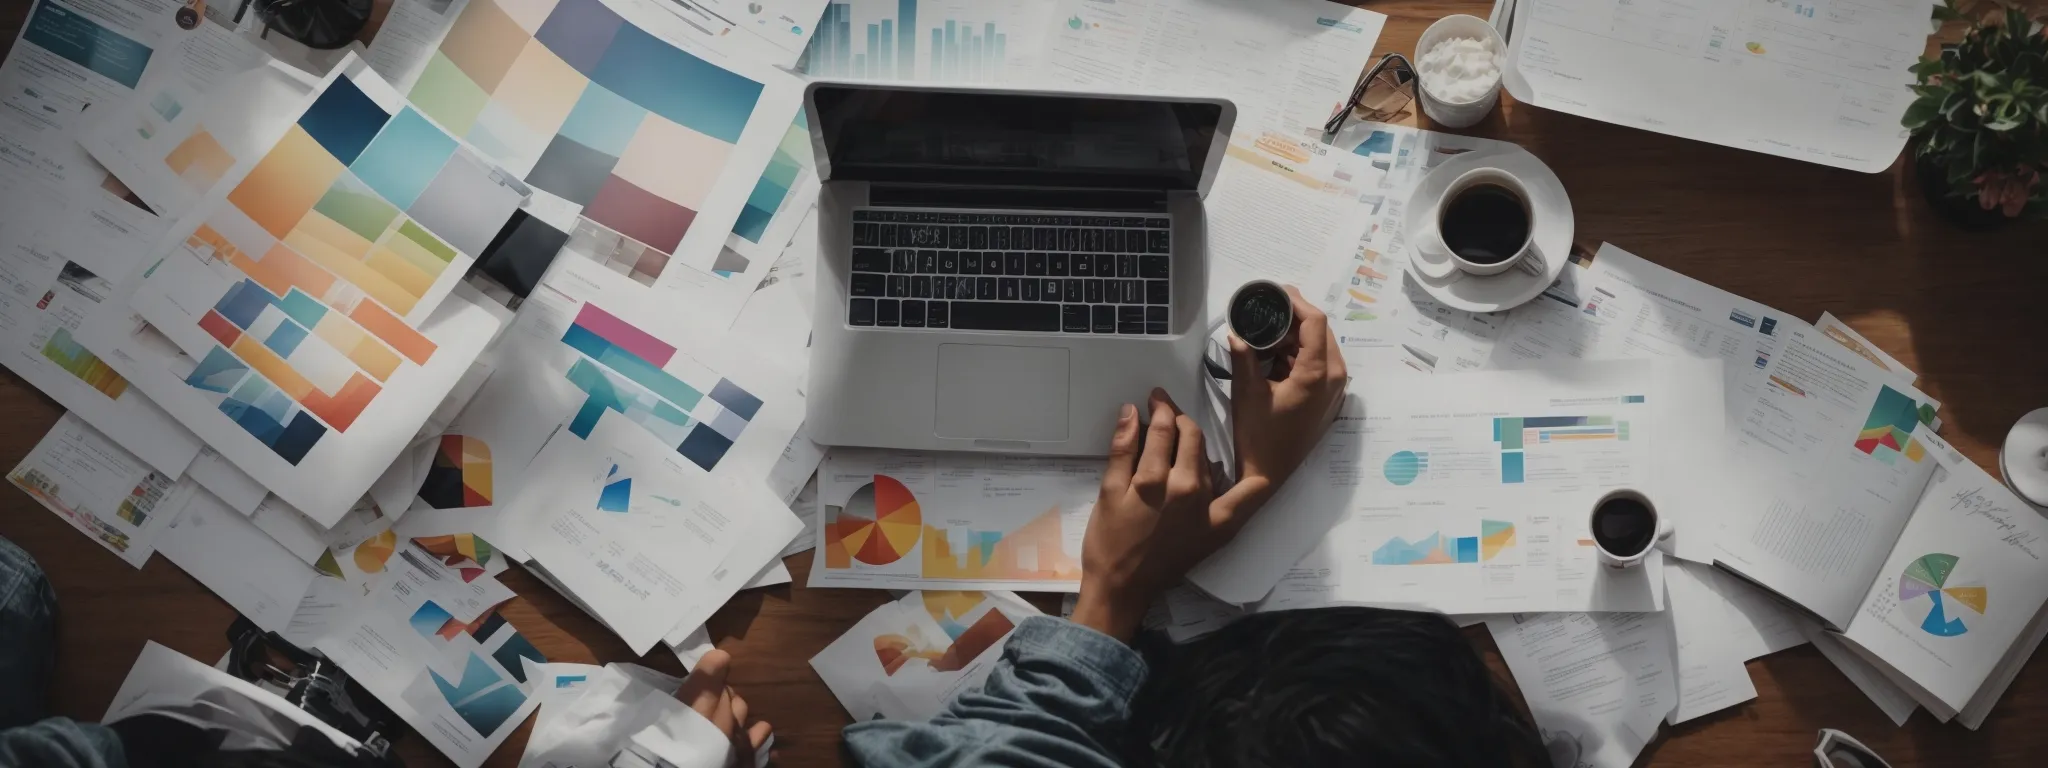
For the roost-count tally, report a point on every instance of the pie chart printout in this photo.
(880, 524)
(1937, 600)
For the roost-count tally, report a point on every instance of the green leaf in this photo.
(2003, 124)
(1922, 112)
(1954, 101)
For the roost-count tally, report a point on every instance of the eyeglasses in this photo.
(1837, 750)
(1386, 89)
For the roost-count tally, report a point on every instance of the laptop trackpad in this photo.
(991, 392)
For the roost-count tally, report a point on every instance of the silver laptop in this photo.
(1001, 270)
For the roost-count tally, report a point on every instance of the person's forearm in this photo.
(61, 742)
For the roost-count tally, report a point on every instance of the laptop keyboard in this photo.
(1011, 272)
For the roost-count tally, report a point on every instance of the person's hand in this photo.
(1278, 419)
(1152, 521)
(706, 692)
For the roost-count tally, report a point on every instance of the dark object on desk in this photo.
(313, 684)
(1980, 122)
(322, 24)
(521, 253)
(1624, 526)
(1261, 314)
(1486, 223)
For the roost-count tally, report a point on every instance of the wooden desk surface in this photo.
(1964, 310)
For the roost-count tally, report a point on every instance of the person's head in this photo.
(1333, 686)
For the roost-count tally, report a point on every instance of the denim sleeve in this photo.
(60, 742)
(1060, 696)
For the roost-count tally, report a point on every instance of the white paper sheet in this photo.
(1832, 450)
(1008, 522)
(226, 551)
(1424, 495)
(1287, 64)
(1819, 82)
(164, 678)
(885, 40)
(1271, 218)
(1597, 684)
(1961, 588)
(1834, 328)
(1708, 668)
(608, 710)
(777, 319)
(906, 659)
(101, 489)
(631, 528)
(221, 478)
(1889, 698)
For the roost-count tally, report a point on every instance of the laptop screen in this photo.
(995, 138)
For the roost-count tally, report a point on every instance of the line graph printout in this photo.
(1466, 493)
(914, 520)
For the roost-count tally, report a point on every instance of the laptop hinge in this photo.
(1033, 198)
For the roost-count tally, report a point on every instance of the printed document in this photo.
(1824, 81)
(1273, 215)
(909, 657)
(933, 41)
(1958, 596)
(101, 489)
(1834, 452)
(1707, 666)
(1597, 684)
(1460, 494)
(630, 527)
(227, 553)
(924, 520)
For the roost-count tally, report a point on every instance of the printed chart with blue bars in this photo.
(341, 231)
(1516, 435)
(889, 48)
(617, 495)
(626, 370)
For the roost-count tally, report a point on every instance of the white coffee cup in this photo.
(1660, 524)
(1529, 258)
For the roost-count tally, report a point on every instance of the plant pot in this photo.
(1959, 212)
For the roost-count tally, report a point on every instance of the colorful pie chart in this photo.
(880, 524)
(1936, 600)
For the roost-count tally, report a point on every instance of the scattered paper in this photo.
(1596, 684)
(102, 490)
(1709, 670)
(908, 658)
(226, 551)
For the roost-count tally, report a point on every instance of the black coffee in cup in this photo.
(1485, 223)
(1624, 526)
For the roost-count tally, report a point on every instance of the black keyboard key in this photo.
(985, 288)
(921, 287)
(956, 238)
(925, 236)
(870, 260)
(1113, 240)
(964, 289)
(977, 237)
(1074, 318)
(861, 312)
(991, 263)
(1019, 238)
(1093, 292)
(1029, 290)
(1158, 223)
(903, 261)
(1084, 265)
(1157, 292)
(1105, 265)
(889, 235)
(979, 316)
(1056, 264)
(913, 314)
(870, 285)
(888, 313)
(1158, 241)
(927, 262)
(970, 262)
(1155, 321)
(999, 237)
(1130, 320)
(1132, 292)
(1091, 240)
(865, 234)
(936, 316)
(949, 262)
(1126, 265)
(1073, 290)
(1070, 239)
(1153, 267)
(865, 215)
(1044, 239)
(1034, 264)
(1129, 221)
(1006, 288)
(1105, 319)
(1013, 263)
(1049, 289)
(899, 286)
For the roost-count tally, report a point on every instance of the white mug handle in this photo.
(1434, 256)
(1533, 262)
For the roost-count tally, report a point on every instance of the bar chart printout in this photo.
(940, 42)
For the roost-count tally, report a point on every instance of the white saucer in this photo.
(1510, 289)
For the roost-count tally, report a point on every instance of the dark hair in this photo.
(1332, 686)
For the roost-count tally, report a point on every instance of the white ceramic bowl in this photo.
(1459, 114)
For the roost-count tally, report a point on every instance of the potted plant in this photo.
(1980, 119)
